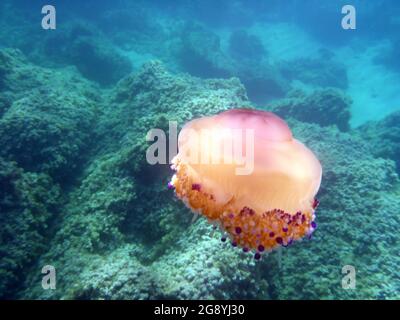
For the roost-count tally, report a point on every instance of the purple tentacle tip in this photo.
(313, 225)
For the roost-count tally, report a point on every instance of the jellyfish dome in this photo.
(243, 170)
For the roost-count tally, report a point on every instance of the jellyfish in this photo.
(268, 206)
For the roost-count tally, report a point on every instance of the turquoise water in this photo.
(79, 197)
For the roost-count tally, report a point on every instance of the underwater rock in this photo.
(46, 131)
(47, 116)
(89, 226)
(95, 57)
(159, 91)
(98, 62)
(16, 73)
(28, 204)
(245, 46)
(384, 136)
(202, 267)
(320, 72)
(324, 106)
(20, 76)
(200, 53)
(119, 275)
(5, 102)
(263, 82)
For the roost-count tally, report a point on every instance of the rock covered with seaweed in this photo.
(44, 127)
(42, 132)
(326, 107)
(384, 136)
(28, 205)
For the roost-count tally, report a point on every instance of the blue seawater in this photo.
(80, 90)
